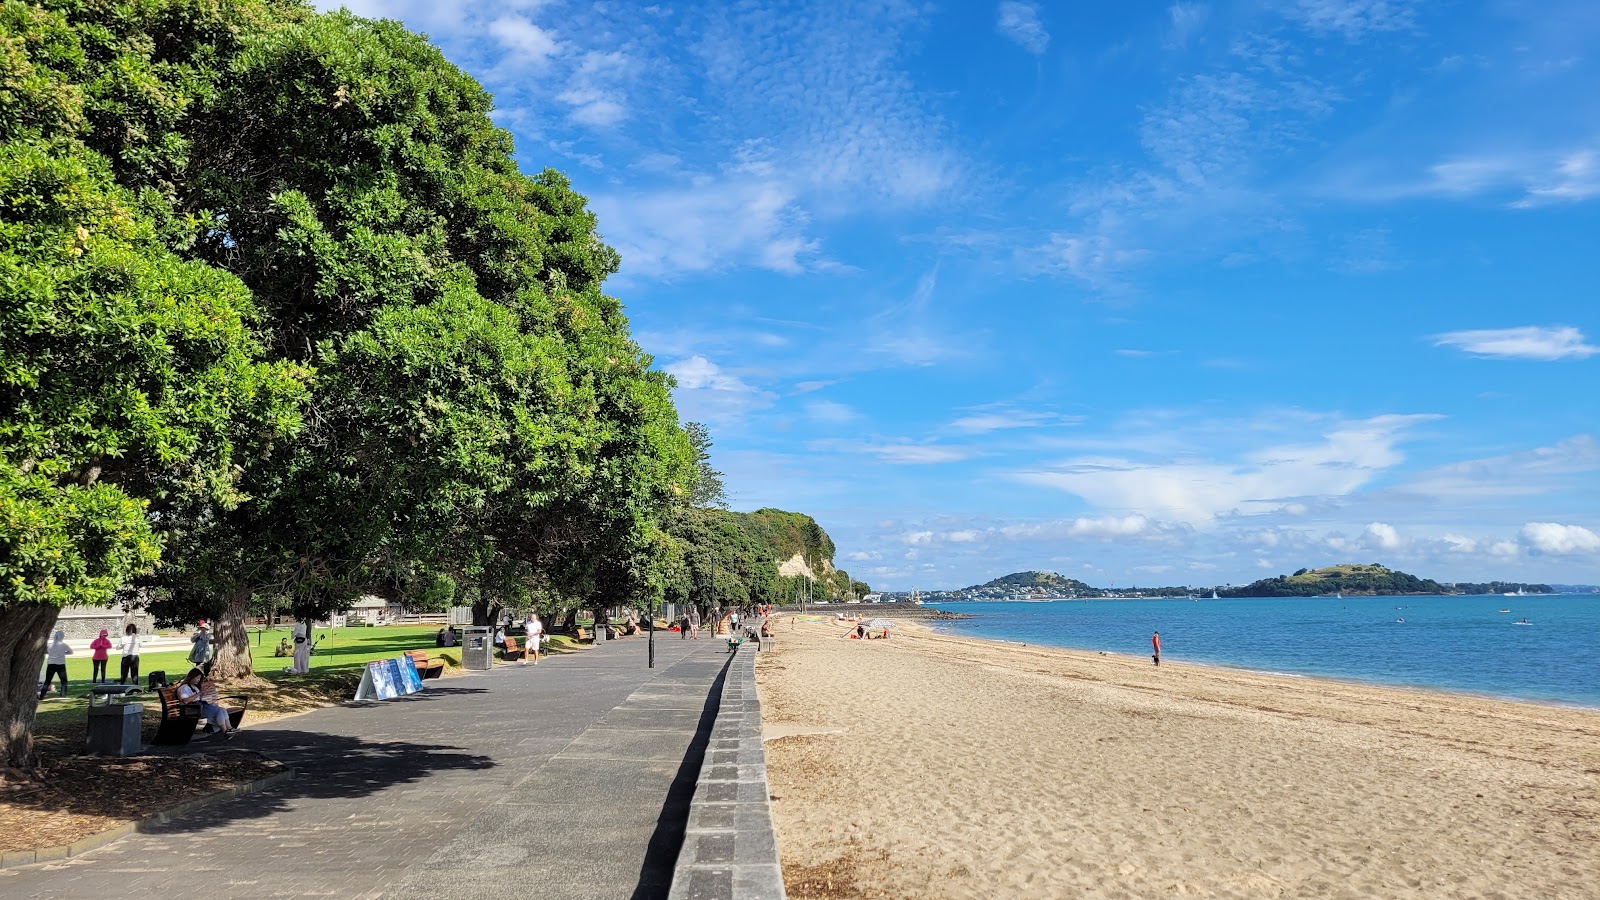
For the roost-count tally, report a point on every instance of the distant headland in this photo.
(1348, 579)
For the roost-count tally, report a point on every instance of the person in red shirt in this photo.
(1155, 643)
(101, 647)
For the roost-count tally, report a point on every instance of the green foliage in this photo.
(789, 533)
(1049, 582)
(1349, 579)
(127, 376)
(708, 488)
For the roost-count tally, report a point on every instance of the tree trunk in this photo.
(24, 631)
(231, 653)
(486, 612)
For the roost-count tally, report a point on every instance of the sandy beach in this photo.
(932, 766)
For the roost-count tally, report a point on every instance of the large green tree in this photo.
(130, 384)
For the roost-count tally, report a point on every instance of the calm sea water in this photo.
(1454, 643)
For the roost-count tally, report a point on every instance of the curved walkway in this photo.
(571, 779)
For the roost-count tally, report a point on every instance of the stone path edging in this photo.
(13, 858)
(730, 848)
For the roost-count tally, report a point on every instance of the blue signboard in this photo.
(386, 679)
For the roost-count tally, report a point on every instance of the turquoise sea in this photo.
(1452, 643)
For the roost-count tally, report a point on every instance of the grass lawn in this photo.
(336, 667)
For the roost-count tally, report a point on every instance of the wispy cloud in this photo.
(1544, 343)
(1187, 20)
(828, 412)
(1000, 417)
(1198, 491)
(1350, 18)
(1020, 22)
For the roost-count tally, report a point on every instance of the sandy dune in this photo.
(928, 766)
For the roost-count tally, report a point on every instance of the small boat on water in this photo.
(1504, 610)
(1213, 593)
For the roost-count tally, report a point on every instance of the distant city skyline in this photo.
(1176, 293)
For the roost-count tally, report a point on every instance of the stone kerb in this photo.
(730, 849)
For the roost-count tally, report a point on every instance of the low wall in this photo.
(730, 849)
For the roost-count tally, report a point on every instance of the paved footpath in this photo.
(568, 779)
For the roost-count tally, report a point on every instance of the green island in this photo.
(1351, 579)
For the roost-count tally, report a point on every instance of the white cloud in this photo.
(1020, 22)
(1504, 549)
(1459, 543)
(1109, 526)
(1552, 537)
(920, 454)
(863, 556)
(716, 222)
(830, 413)
(1528, 342)
(706, 392)
(962, 537)
(525, 42)
(1383, 535)
(1000, 417)
(917, 538)
(1197, 491)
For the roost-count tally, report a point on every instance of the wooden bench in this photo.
(511, 650)
(427, 666)
(179, 719)
(581, 634)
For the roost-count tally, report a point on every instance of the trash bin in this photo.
(477, 647)
(114, 729)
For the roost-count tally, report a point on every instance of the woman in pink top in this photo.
(102, 650)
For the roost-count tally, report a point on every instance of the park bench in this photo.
(427, 666)
(179, 719)
(511, 650)
(581, 634)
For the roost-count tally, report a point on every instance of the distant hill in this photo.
(1051, 583)
(1354, 579)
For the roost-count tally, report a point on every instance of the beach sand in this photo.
(933, 766)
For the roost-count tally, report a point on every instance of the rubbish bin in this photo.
(477, 647)
(114, 729)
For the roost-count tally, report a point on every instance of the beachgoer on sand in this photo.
(1155, 644)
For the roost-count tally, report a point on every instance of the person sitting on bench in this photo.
(196, 688)
(283, 649)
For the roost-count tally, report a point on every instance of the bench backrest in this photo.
(511, 644)
(170, 707)
(420, 657)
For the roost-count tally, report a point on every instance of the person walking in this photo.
(1155, 645)
(55, 659)
(694, 623)
(101, 654)
(200, 653)
(535, 630)
(130, 655)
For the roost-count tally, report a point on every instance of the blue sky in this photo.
(1140, 293)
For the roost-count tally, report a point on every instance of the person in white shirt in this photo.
(535, 635)
(55, 659)
(130, 655)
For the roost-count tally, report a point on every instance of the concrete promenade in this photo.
(569, 779)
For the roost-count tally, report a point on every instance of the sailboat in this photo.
(1338, 595)
(1214, 594)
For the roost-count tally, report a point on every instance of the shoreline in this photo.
(933, 765)
(937, 632)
